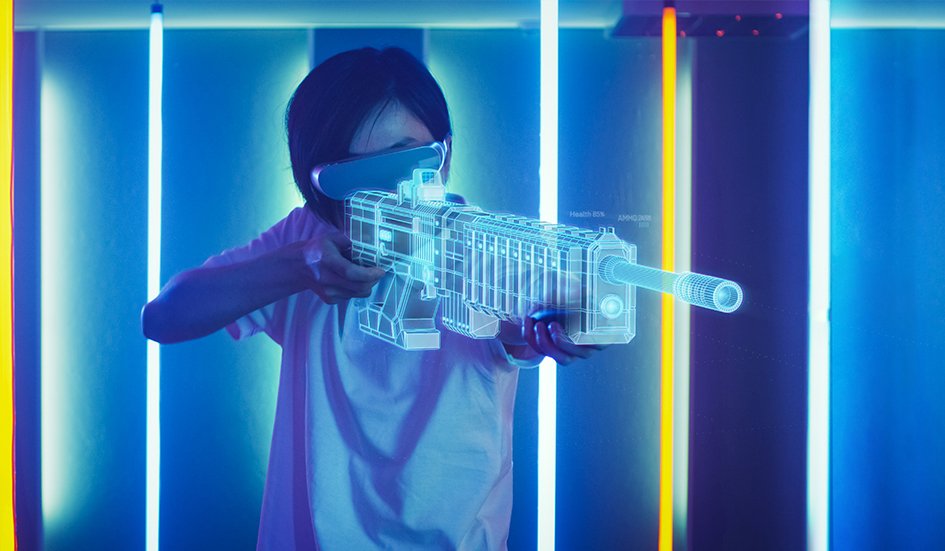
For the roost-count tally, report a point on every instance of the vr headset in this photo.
(380, 171)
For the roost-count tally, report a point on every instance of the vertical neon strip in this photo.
(818, 389)
(56, 438)
(666, 326)
(153, 462)
(548, 211)
(548, 162)
(683, 254)
(7, 480)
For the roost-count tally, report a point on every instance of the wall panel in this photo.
(888, 256)
(748, 417)
(609, 175)
(94, 245)
(226, 179)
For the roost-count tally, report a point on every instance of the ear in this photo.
(445, 171)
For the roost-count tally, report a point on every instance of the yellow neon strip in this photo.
(7, 532)
(669, 236)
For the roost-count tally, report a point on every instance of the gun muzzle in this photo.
(699, 290)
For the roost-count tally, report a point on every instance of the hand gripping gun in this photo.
(484, 268)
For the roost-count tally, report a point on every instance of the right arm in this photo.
(200, 301)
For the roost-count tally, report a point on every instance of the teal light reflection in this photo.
(57, 426)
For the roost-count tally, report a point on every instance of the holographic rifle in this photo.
(485, 268)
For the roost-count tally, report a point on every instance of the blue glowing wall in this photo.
(94, 242)
(748, 423)
(226, 179)
(610, 169)
(888, 257)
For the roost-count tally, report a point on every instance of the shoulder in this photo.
(299, 224)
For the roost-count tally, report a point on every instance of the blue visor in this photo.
(380, 171)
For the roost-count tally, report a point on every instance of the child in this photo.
(373, 446)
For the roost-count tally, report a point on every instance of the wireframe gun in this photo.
(486, 268)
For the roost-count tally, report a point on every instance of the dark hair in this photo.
(337, 96)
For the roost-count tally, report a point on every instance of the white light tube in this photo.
(681, 326)
(548, 212)
(153, 461)
(818, 409)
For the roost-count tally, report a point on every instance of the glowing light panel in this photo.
(153, 461)
(681, 320)
(818, 409)
(56, 434)
(548, 211)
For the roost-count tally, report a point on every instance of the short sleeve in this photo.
(269, 319)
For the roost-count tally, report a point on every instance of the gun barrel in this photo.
(697, 289)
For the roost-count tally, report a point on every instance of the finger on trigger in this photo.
(339, 266)
(339, 239)
(353, 272)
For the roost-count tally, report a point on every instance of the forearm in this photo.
(198, 302)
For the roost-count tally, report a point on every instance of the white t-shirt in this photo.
(375, 447)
